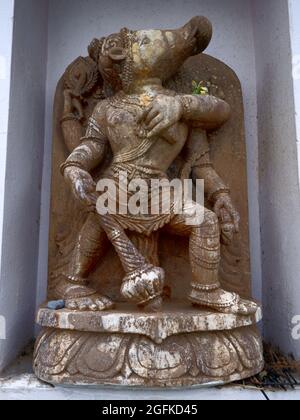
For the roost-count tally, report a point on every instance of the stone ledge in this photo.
(176, 318)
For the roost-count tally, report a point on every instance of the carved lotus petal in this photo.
(249, 348)
(102, 356)
(55, 350)
(216, 356)
(166, 361)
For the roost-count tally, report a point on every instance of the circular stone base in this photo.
(180, 346)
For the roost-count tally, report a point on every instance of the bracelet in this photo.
(68, 164)
(204, 165)
(100, 140)
(69, 117)
(185, 102)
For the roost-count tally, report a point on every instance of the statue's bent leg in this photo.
(147, 246)
(89, 248)
(205, 251)
(143, 283)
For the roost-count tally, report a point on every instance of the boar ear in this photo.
(204, 31)
(117, 54)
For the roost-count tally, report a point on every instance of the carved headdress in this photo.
(114, 58)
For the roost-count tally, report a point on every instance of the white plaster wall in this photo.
(74, 23)
(23, 173)
(294, 9)
(6, 35)
(279, 181)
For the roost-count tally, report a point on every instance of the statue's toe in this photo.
(248, 307)
(103, 303)
(83, 306)
(71, 304)
(242, 307)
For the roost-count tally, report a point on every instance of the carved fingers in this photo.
(72, 104)
(150, 114)
(78, 107)
(67, 101)
(228, 216)
(163, 112)
(227, 227)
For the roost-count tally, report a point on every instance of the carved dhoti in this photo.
(135, 240)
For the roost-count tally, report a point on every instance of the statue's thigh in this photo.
(92, 230)
(181, 224)
(146, 245)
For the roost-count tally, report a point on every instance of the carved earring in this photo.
(117, 54)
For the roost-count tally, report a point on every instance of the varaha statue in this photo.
(148, 298)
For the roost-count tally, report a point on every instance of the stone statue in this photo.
(129, 108)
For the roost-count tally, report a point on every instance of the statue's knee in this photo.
(210, 224)
(209, 227)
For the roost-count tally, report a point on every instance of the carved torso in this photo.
(125, 132)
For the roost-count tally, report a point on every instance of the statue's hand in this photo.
(163, 112)
(228, 216)
(72, 104)
(82, 185)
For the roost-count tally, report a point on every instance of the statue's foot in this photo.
(81, 297)
(95, 303)
(144, 287)
(223, 301)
